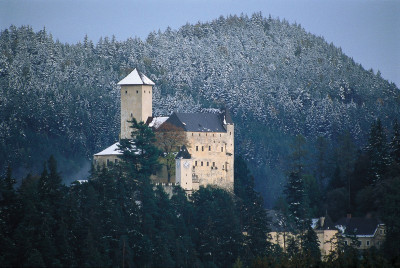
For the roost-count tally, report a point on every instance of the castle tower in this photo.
(230, 147)
(183, 167)
(136, 100)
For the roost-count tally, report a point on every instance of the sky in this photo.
(366, 30)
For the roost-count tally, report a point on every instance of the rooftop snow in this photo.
(157, 121)
(112, 150)
(314, 223)
(136, 78)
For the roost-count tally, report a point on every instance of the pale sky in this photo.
(366, 30)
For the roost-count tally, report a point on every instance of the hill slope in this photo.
(277, 79)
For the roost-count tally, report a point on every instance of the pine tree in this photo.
(394, 151)
(253, 215)
(295, 197)
(391, 217)
(140, 155)
(310, 248)
(9, 218)
(219, 236)
(395, 143)
(377, 152)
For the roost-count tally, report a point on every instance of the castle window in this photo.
(220, 135)
(145, 91)
(131, 114)
(202, 148)
(209, 148)
(206, 134)
(213, 164)
(230, 133)
(213, 135)
(108, 162)
(137, 91)
(381, 231)
(222, 149)
(126, 91)
(192, 134)
(360, 244)
(197, 148)
(367, 242)
(195, 163)
(207, 164)
(345, 242)
(223, 167)
(201, 163)
(199, 134)
(116, 161)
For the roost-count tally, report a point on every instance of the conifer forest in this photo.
(315, 135)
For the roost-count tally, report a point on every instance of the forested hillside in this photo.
(278, 81)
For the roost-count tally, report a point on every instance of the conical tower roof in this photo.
(183, 153)
(136, 78)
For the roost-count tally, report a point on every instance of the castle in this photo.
(208, 158)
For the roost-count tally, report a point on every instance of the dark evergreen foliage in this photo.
(278, 81)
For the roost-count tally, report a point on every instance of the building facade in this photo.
(369, 232)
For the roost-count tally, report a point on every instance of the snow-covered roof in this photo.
(157, 121)
(314, 222)
(112, 150)
(136, 78)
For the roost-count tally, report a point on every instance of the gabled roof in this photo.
(197, 122)
(357, 226)
(183, 153)
(112, 150)
(136, 78)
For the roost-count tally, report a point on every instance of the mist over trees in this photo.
(277, 80)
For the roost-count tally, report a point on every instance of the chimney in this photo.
(321, 221)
